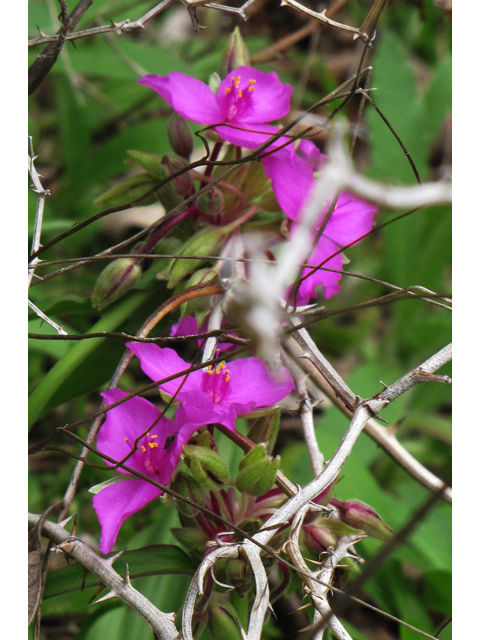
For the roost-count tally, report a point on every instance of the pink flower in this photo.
(188, 326)
(292, 179)
(221, 392)
(246, 100)
(156, 456)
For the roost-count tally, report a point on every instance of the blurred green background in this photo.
(84, 117)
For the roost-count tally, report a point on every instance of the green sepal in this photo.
(257, 472)
(185, 485)
(190, 537)
(128, 191)
(207, 467)
(205, 242)
(115, 281)
(265, 429)
(151, 162)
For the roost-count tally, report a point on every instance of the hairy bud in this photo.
(360, 516)
(180, 136)
(115, 281)
(208, 467)
(234, 55)
(317, 539)
(211, 202)
(257, 471)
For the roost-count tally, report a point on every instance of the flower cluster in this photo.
(135, 433)
(246, 101)
(152, 444)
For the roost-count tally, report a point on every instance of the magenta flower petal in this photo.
(123, 424)
(329, 280)
(251, 136)
(217, 394)
(292, 180)
(350, 220)
(185, 327)
(160, 363)
(250, 96)
(251, 381)
(117, 502)
(198, 404)
(311, 153)
(190, 97)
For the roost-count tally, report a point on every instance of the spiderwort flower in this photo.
(246, 100)
(156, 455)
(293, 180)
(221, 392)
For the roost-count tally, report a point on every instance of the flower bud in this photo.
(191, 538)
(162, 167)
(208, 467)
(180, 136)
(326, 495)
(234, 55)
(223, 621)
(183, 182)
(115, 281)
(257, 472)
(211, 202)
(187, 487)
(359, 515)
(317, 539)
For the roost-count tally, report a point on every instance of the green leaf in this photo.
(66, 367)
(127, 191)
(98, 487)
(158, 559)
(204, 242)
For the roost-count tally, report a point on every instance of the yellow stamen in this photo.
(143, 449)
(240, 94)
(227, 90)
(126, 439)
(153, 437)
(209, 371)
(251, 88)
(236, 82)
(227, 378)
(152, 445)
(251, 81)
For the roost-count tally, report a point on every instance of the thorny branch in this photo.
(319, 596)
(162, 624)
(45, 60)
(321, 373)
(37, 231)
(363, 411)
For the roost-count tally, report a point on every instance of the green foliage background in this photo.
(84, 117)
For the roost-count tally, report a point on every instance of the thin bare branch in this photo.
(46, 319)
(162, 624)
(324, 376)
(322, 17)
